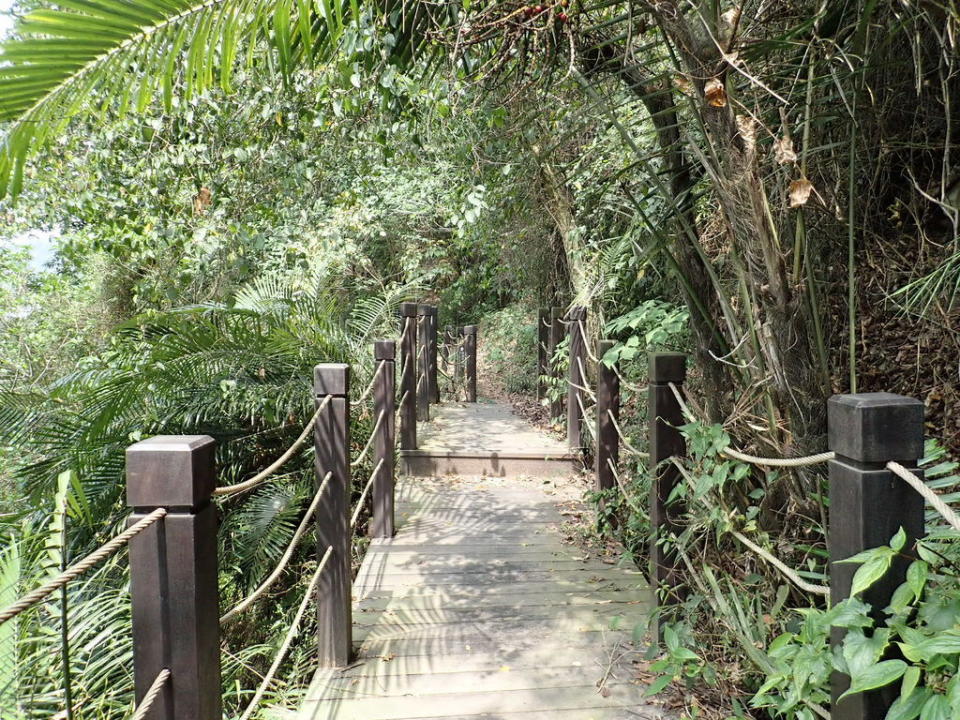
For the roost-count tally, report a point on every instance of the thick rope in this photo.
(284, 560)
(934, 500)
(153, 692)
(363, 495)
(623, 437)
(623, 490)
(373, 435)
(788, 573)
(779, 462)
(373, 381)
(588, 423)
(278, 463)
(583, 375)
(639, 389)
(586, 345)
(753, 459)
(291, 634)
(79, 568)
(403, 401)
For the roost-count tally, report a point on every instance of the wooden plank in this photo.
(477, 609)
(479, 702)
(501, 678)
(502, 601)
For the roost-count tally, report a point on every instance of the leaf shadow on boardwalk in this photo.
(477, 609)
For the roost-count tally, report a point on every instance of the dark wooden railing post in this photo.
(331, 439)
(408, 376)
(665, 416)
(578, 353)
(543, 340)
(432, 356)
(470, 351)
(608, 403)
(173, 575)
(868, 506)
(384, 400)
(555, 338)
(423, 363)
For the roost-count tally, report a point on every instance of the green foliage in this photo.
(652, 325)
(510, 348)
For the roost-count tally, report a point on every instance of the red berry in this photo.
(562, 17)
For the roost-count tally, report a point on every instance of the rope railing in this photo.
(927, 493)
(623, 490)
(588, 424)
(363, 495)
(800, 461)
(279, 462)
(373, 436)
(639, 389)
(586, 344)
(583, 374)
(288, 639)
(623, 438)
(150, 697)
(284, 559)
(788, 572)
(403, 401)
(373, 382)
(80, 567)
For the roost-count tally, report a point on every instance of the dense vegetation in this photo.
(241, 190)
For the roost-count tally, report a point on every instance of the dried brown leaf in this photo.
(800, 192)
(715, 93)
(783, 151)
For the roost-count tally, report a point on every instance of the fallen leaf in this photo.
(783, 151)
(800, 192)
(715, 93)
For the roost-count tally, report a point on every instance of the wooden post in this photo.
(556, 336)
(543, 340)
(423, 363)
(432, 355)
(331, 439)
(470, 350)
(578, 354)
(868, 505)
(381, 526)
(173, 575)
(408, 376)
(665, 416)
(608, 403)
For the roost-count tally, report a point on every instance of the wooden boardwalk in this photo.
(479, 608)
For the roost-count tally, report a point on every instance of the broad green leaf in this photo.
(875, 676)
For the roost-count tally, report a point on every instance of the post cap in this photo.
(425, 309)
(875, 427)
(171, 471)
(408, 309)
(384, 349)
(469, 329)
(331, 379)
(577, 312)
(668, 367)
